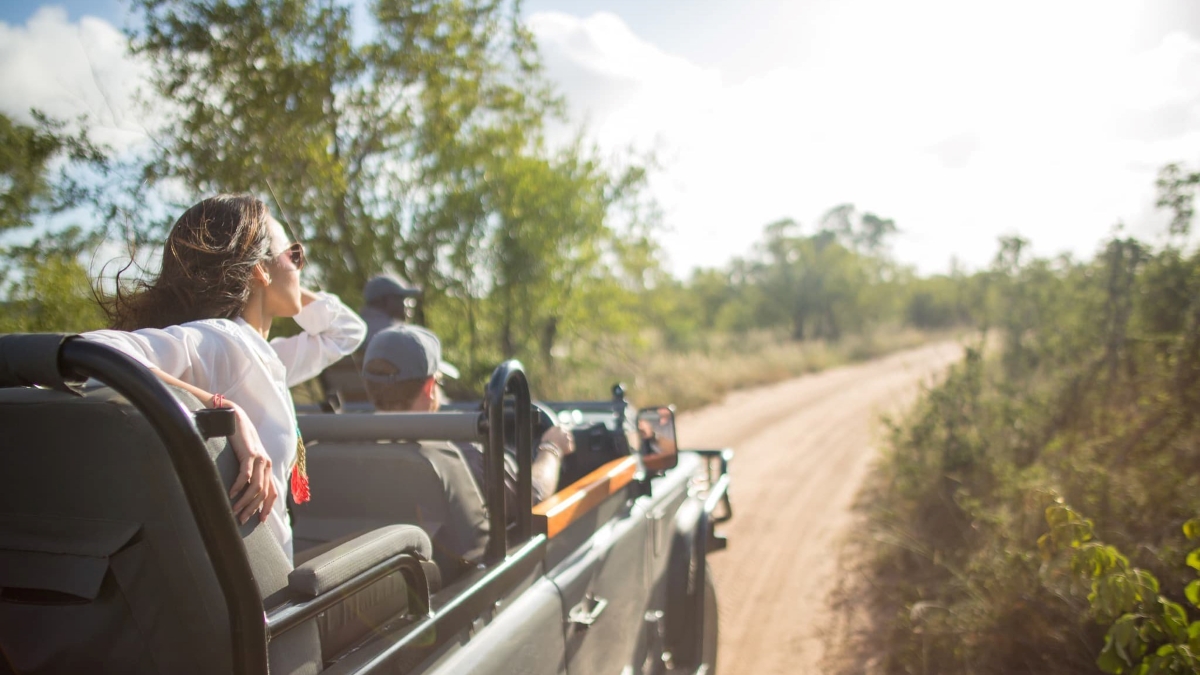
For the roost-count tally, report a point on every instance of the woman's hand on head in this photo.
(307, 295)
(253, 488)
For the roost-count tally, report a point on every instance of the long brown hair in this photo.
(207, 263)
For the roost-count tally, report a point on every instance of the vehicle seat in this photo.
(102, 568)
(342, 385)
(359, 486)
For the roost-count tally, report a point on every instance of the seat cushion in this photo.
(365, 612)
(341, 563)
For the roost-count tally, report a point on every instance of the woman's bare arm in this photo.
(253, 482)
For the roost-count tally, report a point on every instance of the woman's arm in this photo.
(331, 330)
(253, 481)
(177, 352)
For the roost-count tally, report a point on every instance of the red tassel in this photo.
(300, 493)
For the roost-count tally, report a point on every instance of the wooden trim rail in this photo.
(569, 504)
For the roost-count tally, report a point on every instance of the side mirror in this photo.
(656, 438)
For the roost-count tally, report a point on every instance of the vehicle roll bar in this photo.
(206, 495)
(508, 378)
(444, 426)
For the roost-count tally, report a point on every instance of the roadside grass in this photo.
(720, 363)
(1036, 512)
(653, 373)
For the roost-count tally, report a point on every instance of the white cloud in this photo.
(69, 69)
(960, 121)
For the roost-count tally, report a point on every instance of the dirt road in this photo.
(803, 448)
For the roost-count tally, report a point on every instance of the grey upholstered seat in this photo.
(360, 486)
(102, 569)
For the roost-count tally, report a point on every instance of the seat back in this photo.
(363, 485)
(102, 567)
(101, 563)
(342, 385)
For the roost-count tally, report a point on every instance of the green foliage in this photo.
(417, 150)
(1148, 633)
(44, 286)
(27, 162)
(822, 285)
(1176, 192)
(47, 288)
(1093, 396)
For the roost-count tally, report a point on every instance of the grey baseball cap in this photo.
(385, 286)
(414, 352)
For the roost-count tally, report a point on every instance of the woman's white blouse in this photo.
(229, 357)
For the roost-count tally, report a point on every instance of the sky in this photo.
(961, 121)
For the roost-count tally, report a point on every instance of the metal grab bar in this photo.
(508, 378)
(201, 483)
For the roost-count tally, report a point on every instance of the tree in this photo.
(44, 286)
(47, 288)
(27, 163)
(418, 149)
(1177, 192)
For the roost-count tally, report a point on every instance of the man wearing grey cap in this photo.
(402, 368)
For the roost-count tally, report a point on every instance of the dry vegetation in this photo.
(1036, 512)
(705, 373)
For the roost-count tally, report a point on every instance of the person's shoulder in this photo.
(218, 333)
(219, 326)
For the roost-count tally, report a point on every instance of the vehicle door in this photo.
(604, 589)
(521, 635)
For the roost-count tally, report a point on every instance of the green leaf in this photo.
(1192, 591)
(1191, 529)
(1058, 515)
(1174, 620)
(1147, 581)
(1109, 660)
(1123, 633)
(1046, 546)
(1193, 559)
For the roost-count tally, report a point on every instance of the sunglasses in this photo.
(295, 253)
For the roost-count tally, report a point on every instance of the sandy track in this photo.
(803, 448)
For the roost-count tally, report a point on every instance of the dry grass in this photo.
(689, 379)
(724, 363)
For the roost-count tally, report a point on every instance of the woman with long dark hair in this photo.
(228, 269)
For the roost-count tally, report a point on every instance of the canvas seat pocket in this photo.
(57, 585)
(44, 558)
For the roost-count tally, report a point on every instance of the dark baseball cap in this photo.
(414, 352)
(386, 286)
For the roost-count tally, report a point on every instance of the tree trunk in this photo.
(549, 333)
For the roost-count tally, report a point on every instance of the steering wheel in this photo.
(543, 419)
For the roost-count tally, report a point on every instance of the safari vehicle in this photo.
(119, 552)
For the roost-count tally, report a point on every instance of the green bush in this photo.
(1093, 400)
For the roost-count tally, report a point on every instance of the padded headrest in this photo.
(27, 359)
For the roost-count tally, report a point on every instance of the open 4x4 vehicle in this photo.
(119, 552)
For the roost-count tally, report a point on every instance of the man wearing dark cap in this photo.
(401, 370)
(387, 302)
